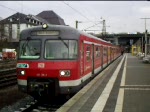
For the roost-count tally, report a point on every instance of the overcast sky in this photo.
(120, 16)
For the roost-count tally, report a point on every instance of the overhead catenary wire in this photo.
(14, 9)
(26, 7)
(91, 26)
(81, 15)
(34, 11)
(76, 10)
(8, 8)
(64, 3)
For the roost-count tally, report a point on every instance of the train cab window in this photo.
(60, 49)
(29, 49)
(88, 53)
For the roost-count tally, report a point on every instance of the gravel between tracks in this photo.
(11, 99)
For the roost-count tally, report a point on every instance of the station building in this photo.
(11, 26)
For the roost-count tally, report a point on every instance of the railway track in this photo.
(8, 73)
(8, 77)
(38, 106)
(8, 61)
(7, 64)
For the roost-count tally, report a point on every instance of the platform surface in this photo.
(124, 86)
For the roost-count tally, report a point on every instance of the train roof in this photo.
(61, 28)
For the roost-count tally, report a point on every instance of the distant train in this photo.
(8, 54)
(55, 59)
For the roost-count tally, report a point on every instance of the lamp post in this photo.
(18, 26)
(77, 23)
(142, 43)
(145, 36)
(99, 22)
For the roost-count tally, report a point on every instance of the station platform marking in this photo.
(124, 72)
(101, 102)
(138, 89)
(76, 97)
(119, 104)
(123, 87)
(136, 86)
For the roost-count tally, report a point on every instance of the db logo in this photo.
(41, 65)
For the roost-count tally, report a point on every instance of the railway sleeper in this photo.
(10, 83)
(7, 76)
(4, 80)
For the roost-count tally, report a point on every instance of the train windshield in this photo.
(61, 49)
(29, 49)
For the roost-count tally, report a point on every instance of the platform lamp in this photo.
(145, 42)
(145, 36)
(77, 23)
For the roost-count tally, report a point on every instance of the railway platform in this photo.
(124, 86)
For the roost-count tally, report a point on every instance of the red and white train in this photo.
(8, 54)
(55, 59)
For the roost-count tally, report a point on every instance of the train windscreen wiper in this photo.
(25, 44)
(63, 42)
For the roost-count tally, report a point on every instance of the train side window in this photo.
(105, 51)
(97, 51)
(88, 53)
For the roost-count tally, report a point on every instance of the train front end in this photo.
(48, 62)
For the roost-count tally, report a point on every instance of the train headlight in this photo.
(22, 72)
(65, 73)
(44, 26)
(62, 73)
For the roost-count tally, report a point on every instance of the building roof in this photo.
(19, 18)
(51, 17)
(37, 18)
(48, 17)
(14, 18)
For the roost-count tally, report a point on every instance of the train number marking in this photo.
(22, 65)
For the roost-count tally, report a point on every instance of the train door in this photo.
(97, 57)
(82, 59)
(104, 56)
(93, 58)
(114, 52)
(87, 58)
(110, 54)
(102, 60)
(107, 54)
